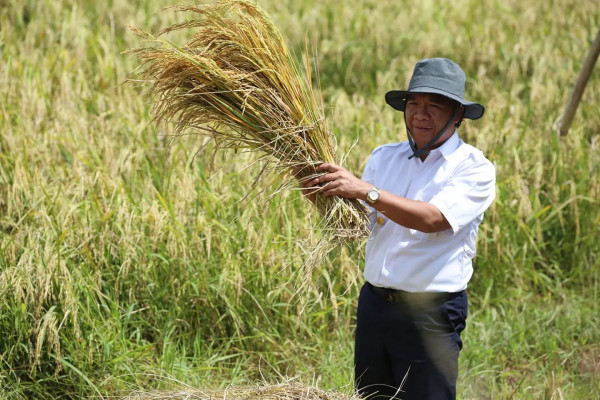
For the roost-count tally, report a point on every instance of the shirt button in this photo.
(380, 220)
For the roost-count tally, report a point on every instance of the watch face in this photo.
(373, 195)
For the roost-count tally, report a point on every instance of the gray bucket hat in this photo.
(437, 76)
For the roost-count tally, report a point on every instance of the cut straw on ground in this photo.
(236, 81)
(283, 391)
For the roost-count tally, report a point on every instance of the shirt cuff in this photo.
(447, 214)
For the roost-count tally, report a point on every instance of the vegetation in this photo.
(236, 82)
(130, 262)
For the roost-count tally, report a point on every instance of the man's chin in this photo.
(422, 133)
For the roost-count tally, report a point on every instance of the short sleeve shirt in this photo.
(456, 178)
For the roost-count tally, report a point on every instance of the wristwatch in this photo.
(373, 195)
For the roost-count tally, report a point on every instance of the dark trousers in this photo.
(407, 344)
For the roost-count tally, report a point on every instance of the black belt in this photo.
(401, 296)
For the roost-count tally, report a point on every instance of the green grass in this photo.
(127, 263)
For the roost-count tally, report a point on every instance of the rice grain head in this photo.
(236, 81)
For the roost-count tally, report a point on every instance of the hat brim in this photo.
(397, 99)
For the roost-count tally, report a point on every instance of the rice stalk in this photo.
(236, 82)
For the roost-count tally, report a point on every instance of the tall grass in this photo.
(127, 263)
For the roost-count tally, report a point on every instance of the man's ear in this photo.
(459, 116)
(461, 113)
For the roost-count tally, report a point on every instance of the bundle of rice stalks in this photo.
(236, 81)
(284, 391)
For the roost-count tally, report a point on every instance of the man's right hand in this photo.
(306, 184)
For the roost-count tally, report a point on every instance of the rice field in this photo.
(137, 266)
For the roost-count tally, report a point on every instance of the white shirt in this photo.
(461, 183)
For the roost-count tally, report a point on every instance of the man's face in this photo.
(426, 115)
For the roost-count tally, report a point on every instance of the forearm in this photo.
(419, 215)
(412, 214)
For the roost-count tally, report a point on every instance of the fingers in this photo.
(330, 184)
(323, 167)
(327, 183)
(329, 167)
(331, 172)
(308, 182)
(309, 186)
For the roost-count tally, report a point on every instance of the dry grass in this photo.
(236, 81)
(283, 391)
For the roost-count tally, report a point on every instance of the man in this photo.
(428, 196)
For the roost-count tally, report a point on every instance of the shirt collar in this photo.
(445, 149)
(449, 145)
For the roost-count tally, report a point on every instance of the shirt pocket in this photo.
(379, 221)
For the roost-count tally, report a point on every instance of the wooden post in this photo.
(563, 123)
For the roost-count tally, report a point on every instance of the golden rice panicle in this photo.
(236, 81)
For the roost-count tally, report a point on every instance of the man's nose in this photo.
(421, 113)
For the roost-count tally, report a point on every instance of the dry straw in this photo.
(236, 81)
(283, 391)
